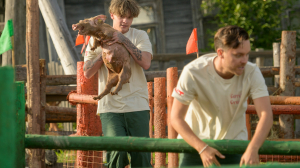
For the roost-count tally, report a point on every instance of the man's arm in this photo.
(143, 58)
(178, 113)
(90, 67)
(264, 112)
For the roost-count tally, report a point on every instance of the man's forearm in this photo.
(187, 134)
(91, 66)
(262, 130)
(136, 54)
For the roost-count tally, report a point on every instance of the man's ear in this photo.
(220, 52)
(112, 16)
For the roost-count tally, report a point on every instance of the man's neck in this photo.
(221, 71)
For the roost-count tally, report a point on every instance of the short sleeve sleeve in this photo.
(143, 42)
(89, 54)
(184, 91)
(258, 86)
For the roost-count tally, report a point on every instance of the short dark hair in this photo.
(122, 7)
(230, 37)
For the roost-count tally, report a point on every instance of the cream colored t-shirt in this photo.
(217, 106)
(134, 95)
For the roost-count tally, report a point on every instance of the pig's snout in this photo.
(77, 27)
(74, 26)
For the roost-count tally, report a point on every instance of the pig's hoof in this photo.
(96, 98)
(113, 93)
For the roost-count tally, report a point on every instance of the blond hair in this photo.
(230, 37)
(123, 7)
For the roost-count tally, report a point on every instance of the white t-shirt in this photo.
(217, 106)
(134, 95)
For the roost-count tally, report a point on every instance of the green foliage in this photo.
(260, 18)
(64, 156)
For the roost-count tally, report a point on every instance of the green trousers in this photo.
(193, 159)
(126, 124)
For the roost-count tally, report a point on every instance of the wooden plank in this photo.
(43, 93)
(183, 56)
(61, 79)
(36, 157)
(58, 90)
(58, 29)
(16, 10)
(51, 98)
(43, 47)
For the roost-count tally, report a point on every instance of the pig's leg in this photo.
(124, 77)
(95, 44)
(112, 81)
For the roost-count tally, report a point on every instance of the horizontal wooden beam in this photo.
(61, 79)
(277, 109)
(52, 98)
(183, 56)
(55, 114)
(58, 90)
(150, 75)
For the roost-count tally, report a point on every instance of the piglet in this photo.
(115, 57)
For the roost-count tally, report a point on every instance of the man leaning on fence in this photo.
(211, 101)
(125, 114)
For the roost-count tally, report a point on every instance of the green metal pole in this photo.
(154, 145)
(8, 117)
(20, 120)
(268, 165)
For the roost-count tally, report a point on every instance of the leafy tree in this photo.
(261, 18)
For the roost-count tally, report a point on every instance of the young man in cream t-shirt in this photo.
(211, 101)
(127, 113)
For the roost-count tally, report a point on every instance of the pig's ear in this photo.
(102, 17)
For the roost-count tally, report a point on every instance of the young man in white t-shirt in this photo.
(211, 100)
(127, 113)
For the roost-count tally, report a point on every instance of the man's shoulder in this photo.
(137, 32)
(250, 68)
(202, 62)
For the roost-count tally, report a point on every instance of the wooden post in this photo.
(43, 74)
(172, 79)
(60, 34)
(276, 61)
(260, 61)
(287, 79)
(43, 48)
(151, 105)
(160, 117)
(248, 122)
(16, 10)
(36, 156)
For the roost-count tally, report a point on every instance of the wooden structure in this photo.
(15, 10)
(287, 78)
(36, 115)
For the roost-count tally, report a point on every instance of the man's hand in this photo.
(250, 157)
(143, 58)
(118, 37)
(208, 157)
